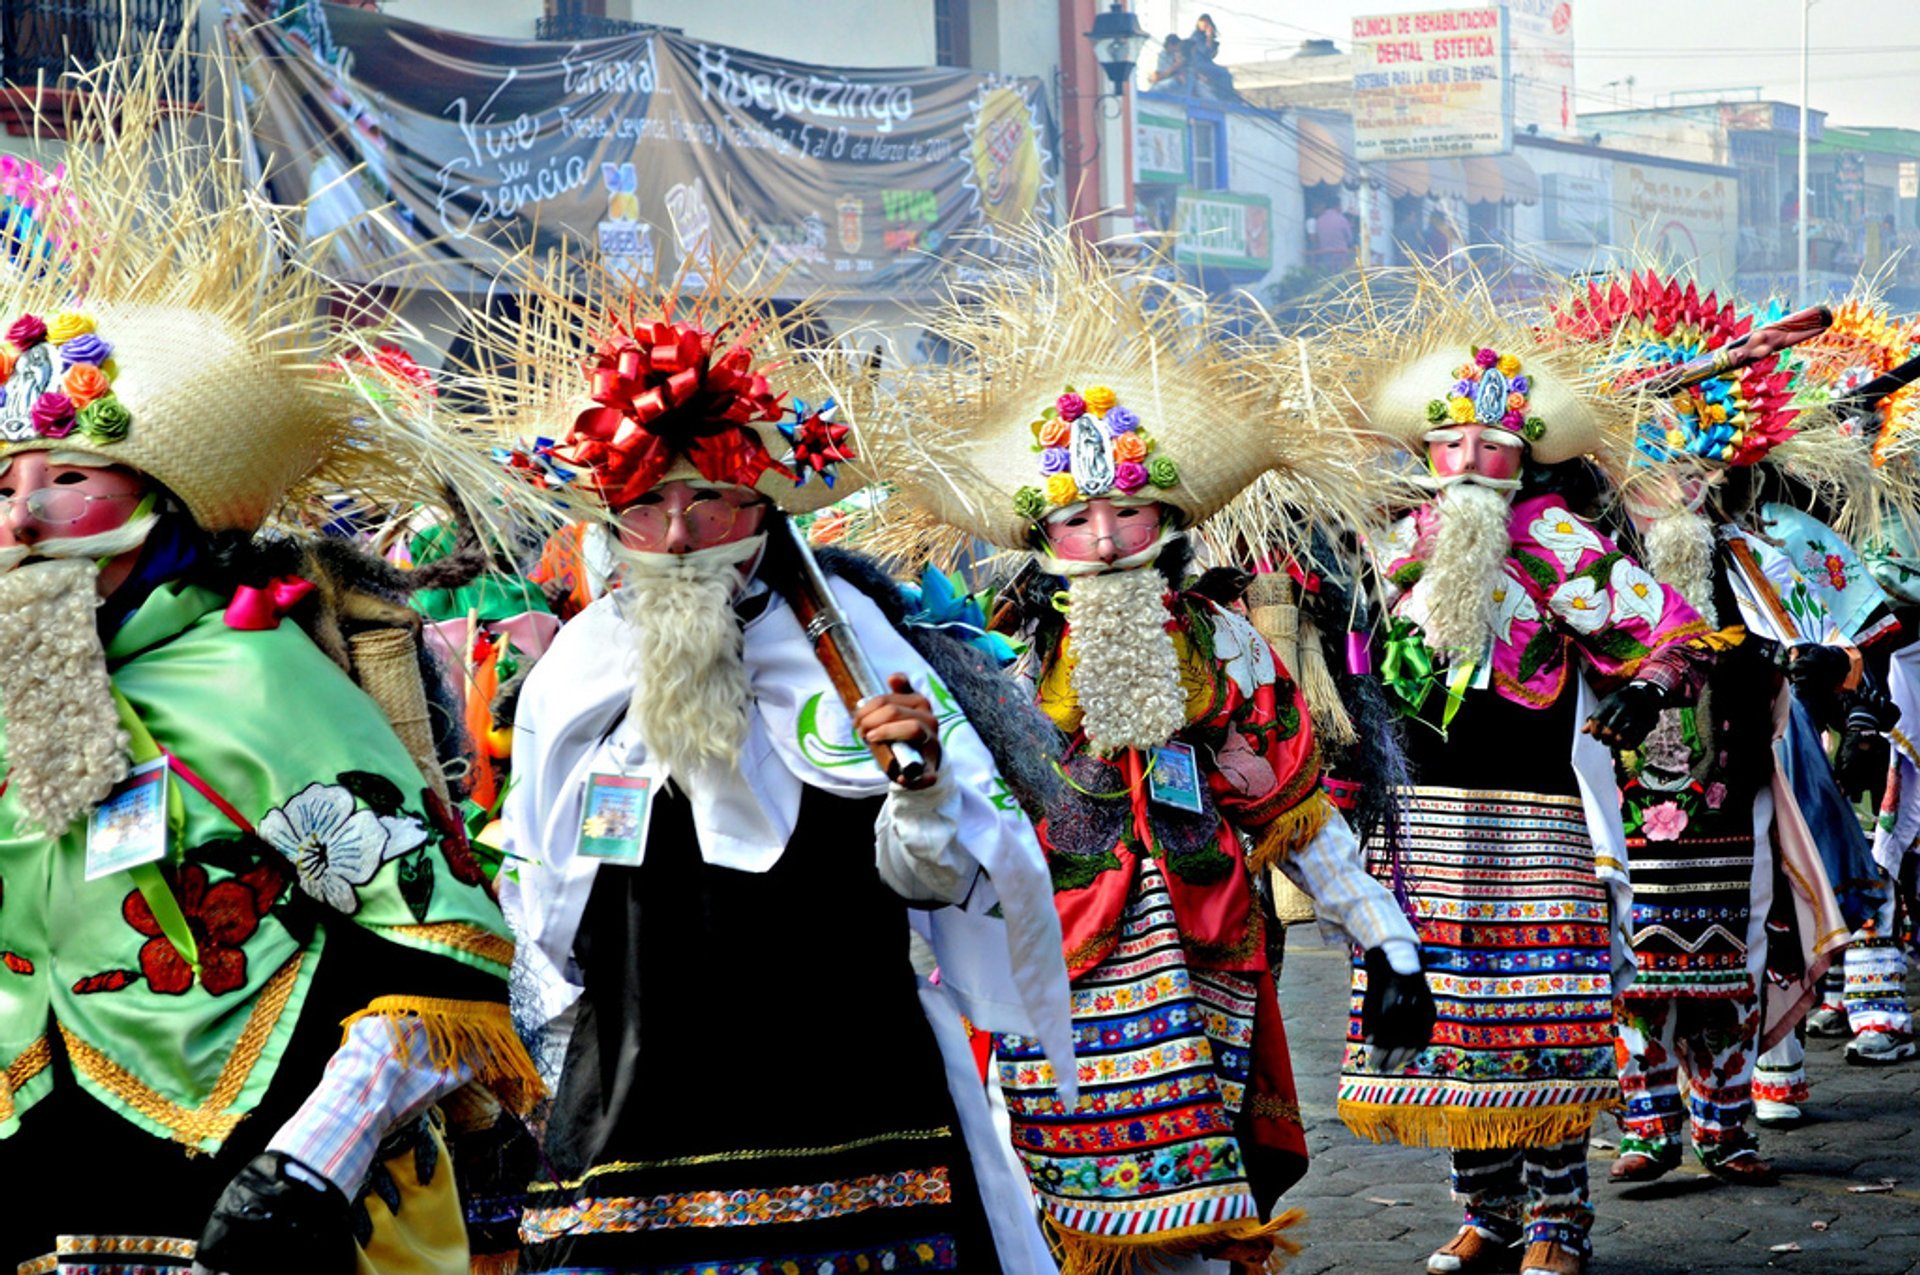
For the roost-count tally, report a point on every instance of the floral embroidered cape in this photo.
(335, 819)
(1566, 588)
(1828, 569)
(1260, 767)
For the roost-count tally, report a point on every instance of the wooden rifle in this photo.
(1751, 348)
(806, 590)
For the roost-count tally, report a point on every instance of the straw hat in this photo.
(624, 384)
(1519, 385)
(1074, 378)
(157, 317)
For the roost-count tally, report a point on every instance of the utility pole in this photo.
(1800, 198)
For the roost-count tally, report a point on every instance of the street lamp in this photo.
(1117, 39)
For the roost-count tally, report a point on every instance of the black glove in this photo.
(1861, 765)
(278, 1216)
(1628, 715)
(1819, 670)
(1396, 1017)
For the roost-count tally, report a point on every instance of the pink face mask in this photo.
(1102, 531)
(679, 517)
(1486, 453)
(41, 500)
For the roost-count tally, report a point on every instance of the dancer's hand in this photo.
(1627, 716)
(1396, 1016)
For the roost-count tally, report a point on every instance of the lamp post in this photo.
(1117, 39)
(1800, 195)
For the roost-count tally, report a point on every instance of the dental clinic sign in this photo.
(1431, 85)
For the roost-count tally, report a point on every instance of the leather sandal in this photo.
(1637, 1166)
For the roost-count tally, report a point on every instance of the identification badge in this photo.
(1175, 779)
(129, 828)
(613, 825)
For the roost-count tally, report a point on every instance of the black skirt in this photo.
(752, 1085)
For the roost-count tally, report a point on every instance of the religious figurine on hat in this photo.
(1089, 417)
(700, 820)
(247, 948)
(1519, 639)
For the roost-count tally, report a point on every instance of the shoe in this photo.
(1637, 1166)
(1473, 1251)
(1767, 1112)
(1827, 1020)
(1740, 1165)
(1877, 1049)
(1550, 1257)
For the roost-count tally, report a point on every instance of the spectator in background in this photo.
(1439, 236)
(1202, 51)
(1173, 61)
(1332, 238)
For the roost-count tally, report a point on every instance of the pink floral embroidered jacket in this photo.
(1565, 586)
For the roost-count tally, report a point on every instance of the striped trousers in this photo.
(1531, 1193)
(1710, 1044)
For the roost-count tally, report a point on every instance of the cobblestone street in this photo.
(1379, 1210)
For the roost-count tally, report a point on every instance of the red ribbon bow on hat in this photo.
(663, 393)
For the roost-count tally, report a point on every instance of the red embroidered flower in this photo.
(222, 917)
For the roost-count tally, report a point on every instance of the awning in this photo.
(1326, 152)
(1434, 178)
(1501, 179)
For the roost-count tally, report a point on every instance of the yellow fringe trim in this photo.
(1083, 1254)
(477, 1033)
(1470, 1129)
(1290, 831)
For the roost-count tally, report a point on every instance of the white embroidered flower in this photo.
(1398, 543)
(334, 846)
(1564, 536)
(1244, 655)
(1511, 602)
(1636, 594)
(1581, 603)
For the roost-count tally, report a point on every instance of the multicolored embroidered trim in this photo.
(743, 1157)
(935, 1253)
(112, 1246)
(210, 1123)
(755, 1206)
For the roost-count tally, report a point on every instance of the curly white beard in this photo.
(1680, 555)
(65, 746)
(1125, 672)
(691, 696)
(1469, 552)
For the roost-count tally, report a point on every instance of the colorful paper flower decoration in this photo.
(1651, 325)
(59, 382)
(536, 462)
(941, 602)
(1489, 389)
(1862, 344)
(388, 373)
(819, 442)
(1091, 445)
(663, 392)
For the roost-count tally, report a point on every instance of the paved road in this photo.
(1379, 1210)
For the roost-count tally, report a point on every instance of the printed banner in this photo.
(651, 149)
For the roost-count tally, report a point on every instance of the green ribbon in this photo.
(147, 877)
(1407, 666)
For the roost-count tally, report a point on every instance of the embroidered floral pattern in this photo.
(334, 845)
(222, 915)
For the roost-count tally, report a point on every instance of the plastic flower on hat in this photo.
(819, 442)
(1090, 445)
(1489, 391)
(665, 390)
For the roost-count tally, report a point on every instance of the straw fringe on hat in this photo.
(1072, 376)
(161, 318)
(537, 373)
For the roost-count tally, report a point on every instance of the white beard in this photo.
(65, 746)
(1468, 556)
(691, 697)
(1680, 555)
(1125, 673)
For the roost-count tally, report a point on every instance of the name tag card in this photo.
(1175, 778)
(613, 823)
(129, 828)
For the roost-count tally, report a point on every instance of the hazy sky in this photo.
(1864, 68)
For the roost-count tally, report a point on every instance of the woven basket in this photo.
(1291, 904)
(387, 666)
